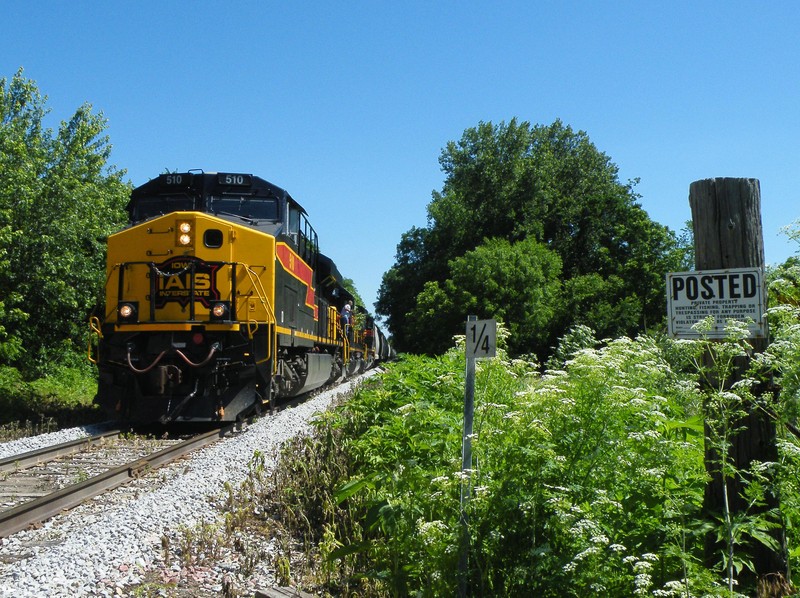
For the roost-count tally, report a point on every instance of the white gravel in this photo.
(98, 552)
(32, 443)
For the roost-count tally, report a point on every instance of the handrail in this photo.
(94, 331)
(333, 320)
(252, 325)
(345, 342)
(156, 273)
(262, 294)
(272, 340)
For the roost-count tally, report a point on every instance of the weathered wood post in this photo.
(726, 216)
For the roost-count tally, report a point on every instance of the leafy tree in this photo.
(549, 183)
(517, 283)
(350, 285)
(59, 199)
(402, 282)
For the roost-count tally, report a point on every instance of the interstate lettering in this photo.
(729, 286)
(184, 293)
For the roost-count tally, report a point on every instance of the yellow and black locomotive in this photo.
(218, 302)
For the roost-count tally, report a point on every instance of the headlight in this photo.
(185, 234)
(128, 312)
(219, 311)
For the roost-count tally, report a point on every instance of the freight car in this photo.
(218, 302)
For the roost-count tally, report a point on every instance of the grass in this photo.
(62, 399)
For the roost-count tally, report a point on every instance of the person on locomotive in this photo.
(347, 320)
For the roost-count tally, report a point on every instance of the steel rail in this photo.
(40, 509)
(49, 453)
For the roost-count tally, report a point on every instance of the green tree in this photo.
(549, 183)
(517, 283)
(397, 295)
(350, 285)
(59, 199)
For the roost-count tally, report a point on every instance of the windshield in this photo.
(148, 207)
(257, 208)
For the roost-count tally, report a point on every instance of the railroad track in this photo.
(41, 505)
(56, 488)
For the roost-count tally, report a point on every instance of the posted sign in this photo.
(736, 293)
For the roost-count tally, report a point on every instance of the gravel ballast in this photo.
(107, 545)
(32, 443)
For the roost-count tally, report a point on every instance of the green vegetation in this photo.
(59, 199)
(539, 214)
(588, 478)
(62, 398)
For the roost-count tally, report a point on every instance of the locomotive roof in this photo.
(331, 278)
(199, 185)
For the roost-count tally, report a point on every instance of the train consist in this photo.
(218, 302)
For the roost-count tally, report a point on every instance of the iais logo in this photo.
(174, 282)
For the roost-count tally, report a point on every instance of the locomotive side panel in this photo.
(297, 309)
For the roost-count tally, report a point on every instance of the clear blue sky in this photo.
(347, 105)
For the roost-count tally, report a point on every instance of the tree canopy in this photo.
(59, 199)
(545, 184)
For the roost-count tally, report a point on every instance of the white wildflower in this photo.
(642, 583)
(554, 374)
(588, 552)
(674, 585)
(642, 566)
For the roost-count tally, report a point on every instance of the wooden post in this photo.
(726, 218)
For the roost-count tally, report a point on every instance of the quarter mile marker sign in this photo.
(731, 294)
(481, 339)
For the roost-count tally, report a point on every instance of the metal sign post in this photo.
(481, 343)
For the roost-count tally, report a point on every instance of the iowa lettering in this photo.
(714, 286)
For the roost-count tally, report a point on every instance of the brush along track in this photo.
(56, 478)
